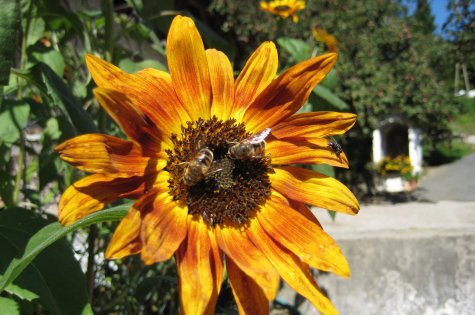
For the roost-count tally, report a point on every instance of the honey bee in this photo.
(335, 146)
(251, 147)
(198, 167)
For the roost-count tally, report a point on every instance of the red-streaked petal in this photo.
(131, 120)
(93, 193)
(305, 152)
(150, 90)
(286, 94)
(222, 84)
(99, 153)
(250, 298)
(236, 245)
(163, 227)
(291, 269)
(314, 125)
(126, 238)
(314, 188)
(217, 269)
(196, 283)
(304, 238)
(189, 67)
(259, 71)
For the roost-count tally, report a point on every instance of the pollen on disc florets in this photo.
(231, 189)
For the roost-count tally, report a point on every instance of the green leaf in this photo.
(65, 99)
(51, 273)
(36, 31)
(9, 30)
(9, 306)
(50, 234)
(297, 48)
(22, 293)
(326, 97)
(129, 66)
(50, 57)
(12, 120)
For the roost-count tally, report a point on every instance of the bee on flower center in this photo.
(198, 167)
(251, 147)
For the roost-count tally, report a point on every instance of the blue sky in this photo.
(440, 12)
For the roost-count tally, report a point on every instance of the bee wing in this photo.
(260, 136)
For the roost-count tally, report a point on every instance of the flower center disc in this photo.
(227, 189)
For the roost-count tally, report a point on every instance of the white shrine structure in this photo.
(395, 137)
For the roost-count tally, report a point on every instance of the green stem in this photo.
(20, 170)
(108, 10)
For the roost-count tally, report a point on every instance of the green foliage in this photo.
(9, 30)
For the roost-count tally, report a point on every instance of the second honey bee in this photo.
(198, 167)
(251, 147)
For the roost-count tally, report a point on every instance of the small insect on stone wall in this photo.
(397, 155)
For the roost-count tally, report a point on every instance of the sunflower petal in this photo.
(286, 94)
(151, 91)
(291, 269)
(196, 283)
(99, 153)
(314, 188)
(217, 269)
(163, 226)
(126, 238)
(250, 298)
(249, 259)
(295, 151)
(130, 119)
(304, 238)
(314, 125)
(189, 67)
(256, 75)
(93, 193)
(222, 84)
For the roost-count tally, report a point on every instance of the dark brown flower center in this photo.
(216, 185)
(282, 8)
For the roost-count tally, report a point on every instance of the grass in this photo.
(464, 123)
(447, 152)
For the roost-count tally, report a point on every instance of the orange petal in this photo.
(189, 67)
(304, 238)
(248, 295)
(314, 125)
(295, 151)
(256, 75)
(222, 84)
(91, 194)
(291, 269)
(135, 124)
(126, 238)
(196, 283)
(249, 259)
(286, 94)
(99, 153)
(163, 227)
(314, 188)
(217, 269)
(151, 91)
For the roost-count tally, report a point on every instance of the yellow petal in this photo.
(151, 91)
(222, 84)
(304, 238)
(163, 227)
(217, 269)
(314, 188)
(256, 75)
(249, 297)
(131, 120)
(316, 151)
(126, 238)
(248, 258)
(189, 67)
(291, 269)
(314, 125)
(286, 94)
(196, 283)
(99, 153)
(93, 193)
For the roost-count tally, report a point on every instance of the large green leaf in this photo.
(9, 306)
(9, 30)
(13, 119)
(323, 98)
(65, 99)
(297, 48)
(46, 236)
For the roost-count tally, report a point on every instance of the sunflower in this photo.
(284, 8)
(197, 200)
(321, 35)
